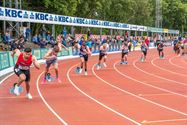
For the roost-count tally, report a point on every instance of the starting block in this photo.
(12, 89)
(49, 78)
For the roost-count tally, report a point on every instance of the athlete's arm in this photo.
(88, 50)
(146, 46)
(47, 55)
(122, 47)
(101, 47)
(35, 62)
(64, 47)
(16, 52)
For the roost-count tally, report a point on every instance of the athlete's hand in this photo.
(12, 54)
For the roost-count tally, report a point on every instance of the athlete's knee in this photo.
(56, 68)
(22, 77)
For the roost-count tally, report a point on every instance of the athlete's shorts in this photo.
(18, 72)
(144, 52)
(49, 62)
(175, 48)
(85, 57)
(101, 55)
(160, 49)
(123, 54)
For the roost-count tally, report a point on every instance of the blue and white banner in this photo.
(10, 14)
(138, 28)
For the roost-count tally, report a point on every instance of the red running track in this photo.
(149, 93)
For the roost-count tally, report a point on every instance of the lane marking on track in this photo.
(6, 78)
(161, 94)
(152, 62)
(161, 121)
(98, 102)
(162, 89)
(45, 102)
(181, 83)
(157, 81)
(170, 61)
(155, 103)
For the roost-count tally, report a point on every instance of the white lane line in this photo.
(98, 102)
(161, 121)
(161, 94)
(170, 61)
(6, 78)
(62, 121)
(152, 62)
(162, 89)
(45, 102)
(181, 83)
(155, 103)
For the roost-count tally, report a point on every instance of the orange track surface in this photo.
(149, 93)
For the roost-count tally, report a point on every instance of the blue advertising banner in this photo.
(11, 14)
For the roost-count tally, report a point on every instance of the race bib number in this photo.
(24, 67)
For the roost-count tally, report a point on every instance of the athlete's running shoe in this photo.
(29, 96)
(104, 64)
(16, 90)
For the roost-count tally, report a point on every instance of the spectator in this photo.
(81, 41)
(147, 42)
(134, 42)
(48, 37)
(21, 42)
(89, 44)
(15, 44)
(43, 31)
(43, 43)
(52, 41)
(7, 38)
(1, 48)
(64, 41)
(35, 39)
(104, 41)
(27, 33)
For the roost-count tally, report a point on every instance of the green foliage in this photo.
(140, 12)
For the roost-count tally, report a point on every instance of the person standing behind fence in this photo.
(134, 43)
(89, 44)
(147, 42)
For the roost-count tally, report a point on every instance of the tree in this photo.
(138, 12)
